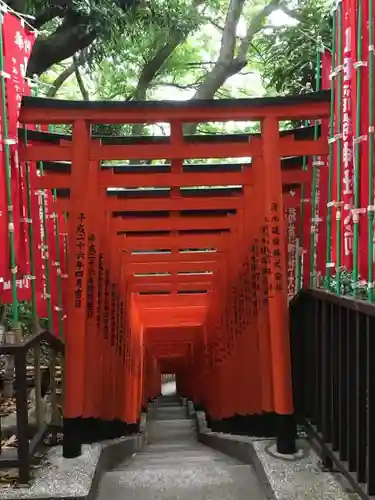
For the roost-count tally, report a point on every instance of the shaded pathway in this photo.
(175, 466)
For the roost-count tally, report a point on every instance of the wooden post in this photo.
(78, 268)
(262, 311)
(93, 354)
(250, 351)
(278, 302)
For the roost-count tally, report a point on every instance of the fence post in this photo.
(22, 416)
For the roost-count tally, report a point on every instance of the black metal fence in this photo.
(333, 341)
(27, 441)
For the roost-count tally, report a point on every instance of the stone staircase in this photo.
(175, 466)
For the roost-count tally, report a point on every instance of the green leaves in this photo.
(346, 286)
(287, 54)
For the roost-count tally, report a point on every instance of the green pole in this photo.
(58, 265)
(46, 255)
(370, 213)
(314, 221)
(59, 284)
(31, 234)
(300, 238)
(45, 250)
(339, 152)
(31, 247)
(13, 264)
(331, 140)
(357, 152)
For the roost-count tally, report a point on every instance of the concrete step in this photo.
(168, 401)
(174, 466)
(166, 459)
(183, 482)
(168, 413)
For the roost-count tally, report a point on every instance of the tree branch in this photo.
(292, 13)
(69, 38)
(47, 15)
(228, 40)
(66, 74)
(60, 81)
(81, 85)
(217, 25)
(175, 85)
(153, 67)
(112, 96)
(254, 26)
(227, 64)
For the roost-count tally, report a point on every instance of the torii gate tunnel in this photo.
(189, 278)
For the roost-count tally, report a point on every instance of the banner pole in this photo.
(8, 174)
(314, 222)
(58, 264)
(329, 256)
(371, 203)
(44, 242)
(31, 234)
(339, 149)
(301, 243)
(357, 153)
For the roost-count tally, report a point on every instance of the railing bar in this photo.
(317, 365)
(301, 323)
(38, 387)
(343, 383)
(297, 349)
(22, 417)
(352, 393)
(335, 377)
(326, 373)
(361, 396)
(53, 395)
(370, 455)
(1, 437)
(309, 356)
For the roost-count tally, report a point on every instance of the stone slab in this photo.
(298, 477)
(175, 466)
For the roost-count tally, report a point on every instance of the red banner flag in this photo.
(38, 250)
(322, 180)
(4, 265)
(365, 200)
(347, 174)
(52, 262)
(17, 45)
(335, 148)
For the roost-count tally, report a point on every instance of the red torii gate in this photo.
(120, 331)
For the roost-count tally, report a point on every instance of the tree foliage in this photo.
(192, 49)
(286, 55)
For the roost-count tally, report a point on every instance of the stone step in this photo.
(183, 482)
(174, 466)
(168, 414)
